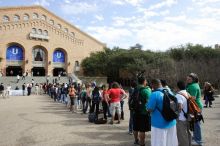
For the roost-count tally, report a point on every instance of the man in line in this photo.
(183, 133)
(163, 133)
(141, 116)
(194, 90)
(2, 90)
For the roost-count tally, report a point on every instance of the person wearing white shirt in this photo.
(183, 133)
(8, 89)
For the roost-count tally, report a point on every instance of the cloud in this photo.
(78, 8)
(44, 3)
(164, 3)
(124, 2)
(99, 17)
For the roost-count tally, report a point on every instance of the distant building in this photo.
(217, 46)
(34, 40)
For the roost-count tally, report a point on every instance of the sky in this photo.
(155, 24)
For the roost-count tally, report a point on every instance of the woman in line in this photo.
(208, 94)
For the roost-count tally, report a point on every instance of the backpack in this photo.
(92, 117)
(193, 111)
(170, 106)
(96, 97)
(135, 103)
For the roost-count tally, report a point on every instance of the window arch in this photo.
(5, 18)
(34, 30)
(39, 31)
(51, 22)
(59, 26)
(35, 16)
(72, 34)
(45, 32)
(16, 18)
(26, 17)
(65, 30)
(59, 56)
(76, 63)
(44, 17)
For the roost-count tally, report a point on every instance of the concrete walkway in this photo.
(38, 121)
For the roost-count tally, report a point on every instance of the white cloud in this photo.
(205, 2)
(78, 8)
(43, 2)
(164, 3)
(99, 17)
(111, 35)
(131, 2)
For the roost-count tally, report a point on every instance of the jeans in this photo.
(197, 133)
(62, 98)
(105, 109)
(131, 121)
(122, 109)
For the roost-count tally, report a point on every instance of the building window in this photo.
(43, 17)
(38, 54)
(6, 19)
(26, 17)
(76, 63)
(51, 22)
(59, 26)
(72, 34)
(34, 30)
(45, 33)
(39, 31)
(16, 18)
(35, 16)
(65, 30)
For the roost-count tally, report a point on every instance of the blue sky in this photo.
(155, 24)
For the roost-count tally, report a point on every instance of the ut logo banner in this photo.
(14, 53)
(59, 55)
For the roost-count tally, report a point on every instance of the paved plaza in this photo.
(38, 121)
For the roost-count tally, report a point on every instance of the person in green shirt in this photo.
(194, 90)
(141, 117)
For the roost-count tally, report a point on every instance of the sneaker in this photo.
(194, 143)
(131, 133)
(118, 122)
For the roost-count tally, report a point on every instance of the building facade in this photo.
(36, 41)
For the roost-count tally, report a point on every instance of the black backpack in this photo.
(135, 102)
(170, 106)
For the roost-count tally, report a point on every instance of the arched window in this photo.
(72, 34)
(65, 30)
(45, 33)
(44, 17)
(51, 22)
(35, 16)
(26, 17)
(38, 54)
(14, 53)
(16, 18)
(34, 30)
(59, 26)
(6, 19)
(76, 63)
(39, 31)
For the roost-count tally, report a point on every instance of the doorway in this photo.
(38, 71)
(13, 71)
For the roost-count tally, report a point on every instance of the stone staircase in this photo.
(28, 80)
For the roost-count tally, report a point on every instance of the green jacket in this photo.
(145, 94)
(194, 90)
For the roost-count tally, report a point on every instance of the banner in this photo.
(59, 56)
(14, 53)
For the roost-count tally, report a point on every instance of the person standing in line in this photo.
(130, 91)
(183, 132)
(37, 89)
(105, 103)
(23, 76)
(141, 117)
(32, 82)
(2, 90)
(18, 78)
(194, 90)
(23, 89)
(29, 89)
(59, 76)
(163, 133)
(72, 95)
(8, 90)
(114, 95)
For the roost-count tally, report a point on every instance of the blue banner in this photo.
(14, 53)
(59, 56)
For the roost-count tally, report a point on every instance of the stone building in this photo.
(36, 41)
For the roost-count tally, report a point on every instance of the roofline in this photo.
(61, 19)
